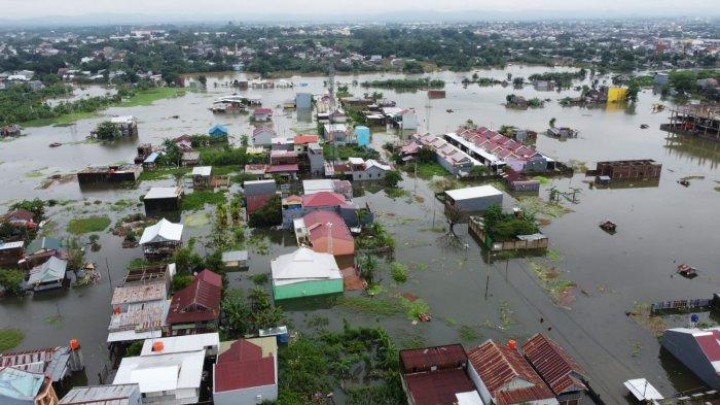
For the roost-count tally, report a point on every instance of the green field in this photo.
(147, 97)
(86, 225)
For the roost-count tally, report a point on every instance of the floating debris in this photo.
(687, 271)
(609, 227)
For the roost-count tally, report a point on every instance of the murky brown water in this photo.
(657, 228)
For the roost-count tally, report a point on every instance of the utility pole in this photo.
(107, 266)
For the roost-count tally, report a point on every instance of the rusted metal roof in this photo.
(554, 364)
(243, 366)
(200, 301)
(437, 387)
(432, 358)
(498, 366)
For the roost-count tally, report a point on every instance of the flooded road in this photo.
(658, 227)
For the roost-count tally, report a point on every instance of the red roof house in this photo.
(436, 375)
(324, 199)
(560, 371)
(506, 378)
(20, 217)
(243, 374)
(196, 308)
(305, 139)
(328, 233)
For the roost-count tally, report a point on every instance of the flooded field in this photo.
(659, 227)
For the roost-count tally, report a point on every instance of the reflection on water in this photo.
(693, 149)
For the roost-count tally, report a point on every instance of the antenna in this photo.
(330, 237)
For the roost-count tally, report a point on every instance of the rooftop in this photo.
(243, 365)
(52, 270)
(162, 372)
(304, 264)
(199, 301)
(100, 395)
(554, 364)
(324, 199)
(473, 192)
(163, 231)
(181, 344)
(439, 387)
(162, 193)
(202, 171)
(440, 357)
(145, 292)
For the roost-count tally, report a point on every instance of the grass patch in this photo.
(147, 97)
(554, 255)
(561, 290)
(398, 272)
(259, 279)
(415, 308)
(544, 181)
(79, 226)
(10, 338)
(578, 166)
(373, 306)
(61, 120)
(197, 200)
(641, 314)
(468, 333)
(505, 315)
(427, 170)
(161, 174)
(396, 192)
(197, 220)
(224, 170)
(534, 205)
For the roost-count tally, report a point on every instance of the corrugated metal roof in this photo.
(235, 256)
(498, 366)
(200, 301)
(417, 360)
(162, 193)
(51, 270)
(52, 361)
(554, 364)
(317, 224)
(181, 344)
(19, 384)
(437, 387)
(324, 199)
(163, 231)
(101, 394)
(243, 366)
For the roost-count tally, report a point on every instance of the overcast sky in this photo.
(234, 9)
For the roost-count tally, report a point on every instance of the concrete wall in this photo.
(308, 289)
(254, 395)
(479, 203)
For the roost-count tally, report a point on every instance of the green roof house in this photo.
(305, 273)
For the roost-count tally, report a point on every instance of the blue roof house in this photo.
(362, 134)
(218, 130)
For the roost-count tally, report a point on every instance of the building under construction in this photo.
(695, 119)
(628, 169)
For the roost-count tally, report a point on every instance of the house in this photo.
(303, 101)
(161, 239)
(447, 155)
(367, 170)
(57, 362)
(218, 131)
(161, 200)
(150, 162)
(168, 372)
(20, 218)
(21, 387)
(294, 207)
(437, 375)
(121, 394)
(629, 169)
(305, 273)
(196, 308)
(144, 320)
(362, 134)
(555, 366)
(190, 158)
(472, 199)
(262, 114)
(144, 285)
(40, 250)
(337, 133)
(403, 118)
(48, 275)
(302, 142)
(257, 194)
(108, 175)
(127, 124)
(143, 151)
(326, 232)
(246, 372)
(201, 176)
(235, 260)
(11, 253)
(316, 159)
(698, 349)
(263, 136)
(504, 377)
(338, 116)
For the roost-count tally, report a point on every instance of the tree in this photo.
(11, 280)
(367, 269)
(107, 130)
(392, 178)
(425, 155)
(203, 80)
(268, 215)
(237, 314)
(478, 170)
(552, 122)
(518, 81)
(244, 140)
(36, 206)
(75, 253)
(173, 154)
(683, 81)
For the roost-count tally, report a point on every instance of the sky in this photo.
(28, 9)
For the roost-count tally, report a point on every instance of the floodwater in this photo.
(658, 228)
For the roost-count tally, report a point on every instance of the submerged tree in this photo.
(107, 131)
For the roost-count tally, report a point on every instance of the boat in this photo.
(55, 144)
(687, 271)
(609, 227)
(684, 182)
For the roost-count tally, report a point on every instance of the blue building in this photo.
(218, 130)
(363, 135)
